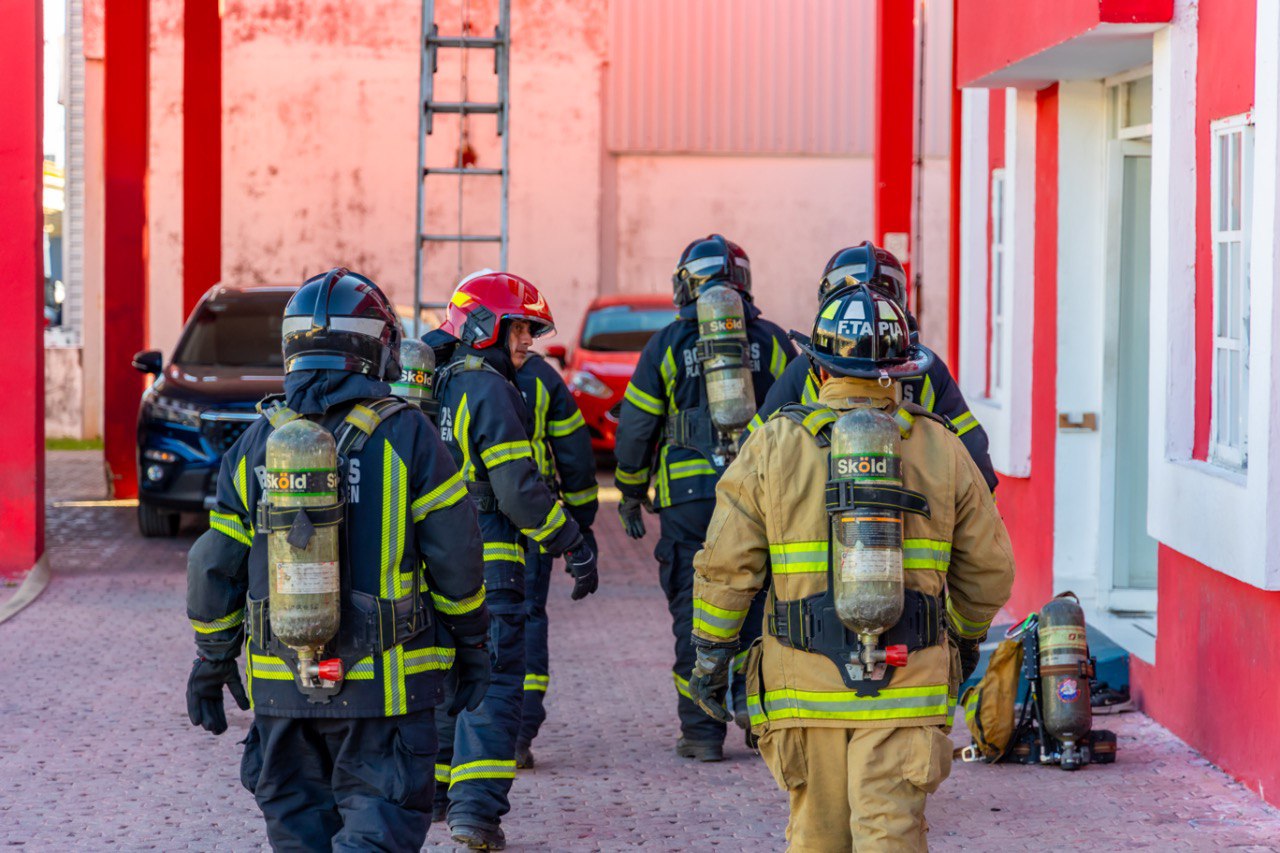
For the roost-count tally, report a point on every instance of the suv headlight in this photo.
(174, 411)
(589, 383)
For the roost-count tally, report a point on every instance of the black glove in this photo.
(204, 693)
(474, 669)
(710, 678)
(580, 561)
(632, 520)
(970, 651)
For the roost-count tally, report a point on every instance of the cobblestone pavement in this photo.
(96, 750)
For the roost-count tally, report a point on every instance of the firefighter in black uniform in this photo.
(664, 408)
(936, 391)
(562, 451)
(482, 421)
(343, 763)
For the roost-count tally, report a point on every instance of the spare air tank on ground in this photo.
(302, 557)
(722, 349)
(866, 542)
(1065, 670)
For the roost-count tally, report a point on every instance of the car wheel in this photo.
(156, 522)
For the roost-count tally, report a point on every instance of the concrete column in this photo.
(125, 237)
(22, 259)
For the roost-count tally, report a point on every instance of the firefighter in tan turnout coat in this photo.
(857, 756)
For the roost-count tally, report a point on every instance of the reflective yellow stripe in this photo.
(755, 423)
(906, 421)
(442, 496)
(690, 468)
(740, 660)
(639, 478)
(269, 668)
(506, 452)
(809, 396)
(791, 558)
(428, 659)
(491, 769)
(231, 620)
(242, 489)
(395, 701)
(642, 401)
(538, 441)
(894, 703)
(928, 398)
(363, 418)
(777, 360)
(668, 371)
(442, 773)
(395, 489)
(229, 525)
(965, 627)
(537, 683)
(361, 670)
(964, 422)
(503, 551)
(559, 429)
(550, 525)
(583, 497)
(456, 607)
(664, 483)
(682, 686)
(461, 433)
(932, 554)
(717, 621)
(815, 421)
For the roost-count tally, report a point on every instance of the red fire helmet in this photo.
(481, 303)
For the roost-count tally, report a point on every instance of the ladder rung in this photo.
(461, 107)
(461, 238)
(464, 42)
(455, 171)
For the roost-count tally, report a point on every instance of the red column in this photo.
(201, 150)
(125, 234)
(953, 223)
(895, 120)
(22, 259)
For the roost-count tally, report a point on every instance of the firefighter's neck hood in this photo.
(690, 311)
(842, 393)
(313, 392)
(496, 357)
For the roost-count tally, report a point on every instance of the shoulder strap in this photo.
(908, 412)
(363, 419)
(276, 412)
(815, 420)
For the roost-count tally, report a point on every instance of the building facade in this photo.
(1118, 331)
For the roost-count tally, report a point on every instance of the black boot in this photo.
(476, 837)
(703, 750)
(524, 757)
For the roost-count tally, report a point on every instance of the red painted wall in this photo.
(895, 119)
(201, 151)
(1224, 87)
(22, 258)
(1214, 681)
(1027, 502)
(994, 34)
(124, 235)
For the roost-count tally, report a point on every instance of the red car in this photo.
(598, 369)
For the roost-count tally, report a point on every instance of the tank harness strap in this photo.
(363, 420)
(706, 349)
(691, 429)
(908, 412)
(800, 623)
(299, 521)
(278, 414)
(370, 625)
(850, 494)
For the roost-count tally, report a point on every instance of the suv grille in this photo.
(222, 431)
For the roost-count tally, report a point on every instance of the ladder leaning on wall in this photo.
(461, 169)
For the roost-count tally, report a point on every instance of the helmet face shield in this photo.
(711, 260)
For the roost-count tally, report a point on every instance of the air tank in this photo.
(417, 369)
(302, 558)
(1064, 677)
(722, 343)
(867, 581)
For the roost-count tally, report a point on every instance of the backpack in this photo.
(989, 705)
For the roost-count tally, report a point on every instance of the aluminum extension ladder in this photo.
(432, 41)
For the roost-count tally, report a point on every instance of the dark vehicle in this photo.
(227, 359)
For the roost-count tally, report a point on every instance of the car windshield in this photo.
(234, 333)
(621, 328)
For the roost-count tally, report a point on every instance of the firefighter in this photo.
(482, 421)
(339, 762)
(936, 390)
(562, 450)
(852, 725)
(665, 433)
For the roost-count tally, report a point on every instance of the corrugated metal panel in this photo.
(741, 76)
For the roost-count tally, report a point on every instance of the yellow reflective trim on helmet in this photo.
(829, 313)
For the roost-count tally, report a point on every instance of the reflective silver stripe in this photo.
(359, 325)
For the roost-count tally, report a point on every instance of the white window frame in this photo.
(1118, 97)
(996, 296)
(1230, 409)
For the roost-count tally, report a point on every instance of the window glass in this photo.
(621, 328)
(234, 333)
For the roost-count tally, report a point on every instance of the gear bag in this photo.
(989, 705)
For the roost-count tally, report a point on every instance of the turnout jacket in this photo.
(559, 438)
(406, 513)
(667, 380)
(936, 391)
(771, 510)
(483, 423)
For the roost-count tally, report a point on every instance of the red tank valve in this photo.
(331, 669)
(895, 655)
